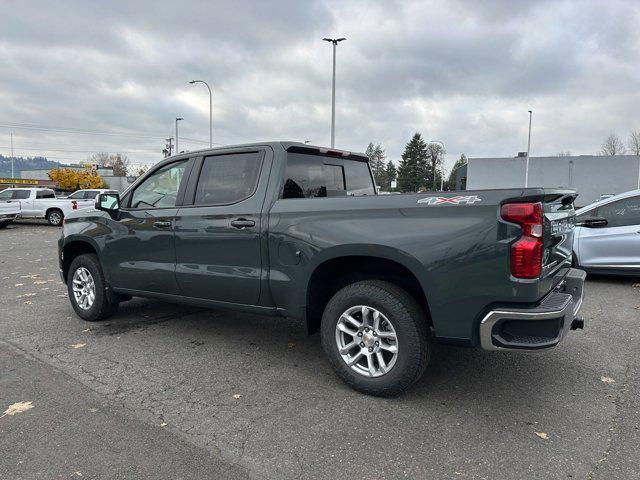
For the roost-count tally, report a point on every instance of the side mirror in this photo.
(108, 202)
(594, 222)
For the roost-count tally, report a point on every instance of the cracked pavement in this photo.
(232, 395)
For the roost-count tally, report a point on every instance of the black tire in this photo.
(55, 217)
(4, 225)
(102, 307)
(409, 322)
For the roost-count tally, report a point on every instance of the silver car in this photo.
(607, 235)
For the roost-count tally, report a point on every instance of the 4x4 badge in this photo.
(467, 200)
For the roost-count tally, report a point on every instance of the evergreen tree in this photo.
(412, 172)
(452, 176)
(391, 174)
(377, 156)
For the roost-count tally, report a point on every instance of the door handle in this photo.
(162, 224)
(242, 223)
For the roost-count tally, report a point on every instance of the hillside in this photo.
(20, 163)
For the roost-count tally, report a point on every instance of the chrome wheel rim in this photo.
(84, 288)
(55, 218)
(367, 341)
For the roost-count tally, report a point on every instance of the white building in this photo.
(591, 175)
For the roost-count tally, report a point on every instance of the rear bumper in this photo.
(536, 328)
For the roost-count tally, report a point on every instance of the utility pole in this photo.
(526, 168)
(177, 120)
(335, 42)
(169, 147)
(12, 174)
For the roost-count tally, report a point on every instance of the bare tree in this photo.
(435, 156)
(634, 142)
(101, 159)
(119, 162)
(564, 153)
(613, 146)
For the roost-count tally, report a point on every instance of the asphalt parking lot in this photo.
(165, 391)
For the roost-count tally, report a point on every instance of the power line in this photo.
(77, 145)
(79, 131)
(45, 128)
(24, 147)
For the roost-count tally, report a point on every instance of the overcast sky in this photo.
(462, 72)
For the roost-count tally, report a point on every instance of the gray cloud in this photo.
(462, 72)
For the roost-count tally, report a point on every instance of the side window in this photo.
(77, 195)
(90, 194)
(6, 195)
(306, 176)
(160, 190)
(226, 179)
(21, 194)
(622, 212)
(47, 194)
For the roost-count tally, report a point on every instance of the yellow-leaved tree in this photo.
(70, 180)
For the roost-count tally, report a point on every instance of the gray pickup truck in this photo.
(293, 230)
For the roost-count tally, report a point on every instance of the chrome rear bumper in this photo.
(540, 327)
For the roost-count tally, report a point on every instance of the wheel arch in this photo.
(53, 209)
(74, 247)
(333, 272)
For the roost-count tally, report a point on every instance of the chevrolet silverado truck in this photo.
(9, 211)
(41, 203)
(293, 230)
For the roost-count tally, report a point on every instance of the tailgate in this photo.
(559, 223)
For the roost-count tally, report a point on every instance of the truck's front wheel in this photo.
(376, 337)
(86, 287)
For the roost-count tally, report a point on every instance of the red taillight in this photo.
(526, 253)
(74, 205)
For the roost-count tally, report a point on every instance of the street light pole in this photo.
(177, 120)
(210, 110)
(335, 42)
(526, 168)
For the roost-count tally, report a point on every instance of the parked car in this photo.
(40, 203)
(9, 211)
(298, 231)
(87, 198)
(607, 235)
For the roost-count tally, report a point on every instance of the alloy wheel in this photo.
(366, 341)
(84, 288)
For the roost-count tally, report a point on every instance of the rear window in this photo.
(312, 176)
(45, 194)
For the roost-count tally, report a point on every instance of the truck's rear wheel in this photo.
(86, 288)
(376, 337)
(55, 217)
